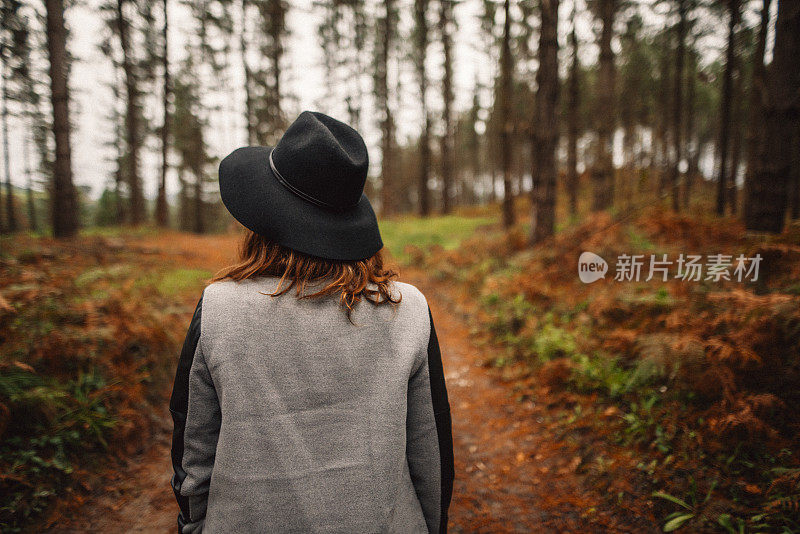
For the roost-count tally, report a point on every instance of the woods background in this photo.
(506, 136)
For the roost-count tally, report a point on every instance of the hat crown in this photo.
(323, 160)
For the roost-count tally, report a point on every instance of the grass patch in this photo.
(175, 281)
(447, 231)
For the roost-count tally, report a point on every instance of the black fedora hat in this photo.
(306, 193)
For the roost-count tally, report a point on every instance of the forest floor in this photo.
(512, 473)
(611, 407)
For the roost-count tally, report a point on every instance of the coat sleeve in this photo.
(429, 440)
(196, 417)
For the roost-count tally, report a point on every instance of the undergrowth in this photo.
(88, 337)
(701, 380)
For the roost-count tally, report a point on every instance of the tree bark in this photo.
(603, 171)
(758, 101)
(11, 216)
(421, 45)
(736, 137)
(725, 107)
(384, 44)
(505, 117)
(572, 122)
(133, 130)
(199, 219)
(693, 158)
(446, 142)
(64, 199)
(677, 105)
(33, 222)
(162, 208)
(765, 209)
(545, 139)
(248, 77)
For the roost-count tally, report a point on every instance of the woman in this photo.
(309, 395)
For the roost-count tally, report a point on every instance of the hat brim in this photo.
(253, 195)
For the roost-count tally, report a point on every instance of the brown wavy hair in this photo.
(259, 256)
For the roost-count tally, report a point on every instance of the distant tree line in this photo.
(635, 125)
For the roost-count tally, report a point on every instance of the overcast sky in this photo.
(304, 80)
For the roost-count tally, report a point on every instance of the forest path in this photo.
(510, 476)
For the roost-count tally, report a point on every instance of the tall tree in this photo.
(725, 107)
(14, 59)
(420, 57)
(677, 102)
(573, 97)
(11, 217)
(244, 49)
(64, 204)
(765, 207)
(383, 46)
(504, 98)
(33, 221)
(133, 133)
(545, 127)
(162, 208)
(692, 139)
(190, 146)
(757, 99)
(267, 75)
(603, 170)
(446, 21)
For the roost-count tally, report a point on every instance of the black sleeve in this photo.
(441, 412)
(178, 407)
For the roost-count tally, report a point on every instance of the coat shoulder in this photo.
(411, 296)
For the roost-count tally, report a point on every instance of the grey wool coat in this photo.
(288, 418)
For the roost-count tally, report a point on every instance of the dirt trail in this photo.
(510, 477)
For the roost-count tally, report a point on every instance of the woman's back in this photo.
(309, 395)
(300, 420)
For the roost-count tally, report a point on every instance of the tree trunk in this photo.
(11, 216)
(248, 77)
(33, 222)
(277, 13)
(736, 137)
(545, 139)
(505, 117)
(572, 123)
(758, 101)
(694, 157)
(677, 108)
(603, 171)
(725, 107)
(199, 220)
(162, 209)
(385, 41)
(765, 208)
(421, 34)
(446, 146)
(131, 119)
(184, 220)
(64, 199)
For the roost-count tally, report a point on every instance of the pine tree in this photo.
(545, 138)
(445, 24)
(504, 101)
(573, 97)
(766, 203)
(133, 130)
(64, 198)
(420, 55)
(603, 171)
(734, 15)
(384, 43)
(162, 208)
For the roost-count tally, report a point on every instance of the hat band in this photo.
(302, 194)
